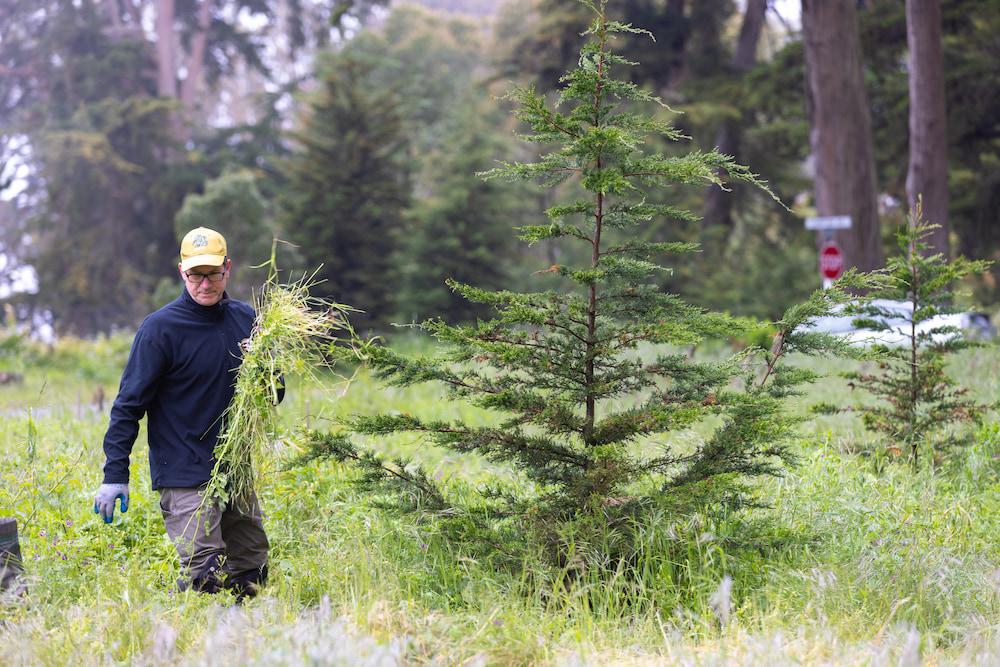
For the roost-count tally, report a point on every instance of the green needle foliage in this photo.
(588, 383)
(292, 333)
(917, 398)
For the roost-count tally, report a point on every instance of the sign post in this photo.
(831, 259)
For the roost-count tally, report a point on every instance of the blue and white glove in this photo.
(104, 501)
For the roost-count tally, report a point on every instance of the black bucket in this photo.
(11, 563)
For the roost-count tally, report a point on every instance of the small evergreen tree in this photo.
(916, 397)
(584, 382)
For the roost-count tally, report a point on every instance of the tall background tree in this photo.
(927, 175)
(88, 131)
(347, 187)
(395, 177)
(841, 136)
(100, 171)
(463, 228)
(718, 206)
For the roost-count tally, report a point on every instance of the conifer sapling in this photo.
(584, 376)
(916, 397)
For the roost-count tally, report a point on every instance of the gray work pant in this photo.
(218, 540)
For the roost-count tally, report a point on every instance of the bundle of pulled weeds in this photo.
(293, 333)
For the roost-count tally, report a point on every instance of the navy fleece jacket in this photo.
(181, 374)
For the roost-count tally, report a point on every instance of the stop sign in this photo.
(831, 261)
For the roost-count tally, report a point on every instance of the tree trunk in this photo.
(166, 58)
(718, 203)
(677, 40)
(134, 14)
(841, 137)
(745, 56)
(191, 86)
(927, 176)
(113, 10)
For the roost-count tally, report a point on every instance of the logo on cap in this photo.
(199, 241)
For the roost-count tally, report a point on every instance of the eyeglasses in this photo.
(197, 278)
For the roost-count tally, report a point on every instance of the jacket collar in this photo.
(215, 310)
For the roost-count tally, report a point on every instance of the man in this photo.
(181, 373)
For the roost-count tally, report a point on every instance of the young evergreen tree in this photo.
(347, 188)
(587, 382)
(916, 397)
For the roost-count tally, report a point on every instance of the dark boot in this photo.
(11, 563)
(248, 583)
(205, 581)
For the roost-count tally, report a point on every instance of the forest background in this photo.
(354, 130)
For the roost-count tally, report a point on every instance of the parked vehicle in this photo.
(971, 325)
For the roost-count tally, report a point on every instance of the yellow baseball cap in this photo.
(202, 247)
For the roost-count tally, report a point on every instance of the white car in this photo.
(971, 325)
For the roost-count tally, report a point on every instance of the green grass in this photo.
(848, 566)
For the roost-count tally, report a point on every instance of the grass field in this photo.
(848, 566)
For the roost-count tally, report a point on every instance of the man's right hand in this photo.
(104, 501)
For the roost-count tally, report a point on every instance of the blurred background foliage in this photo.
(354, 130)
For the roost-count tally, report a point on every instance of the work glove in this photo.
(104, 501)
